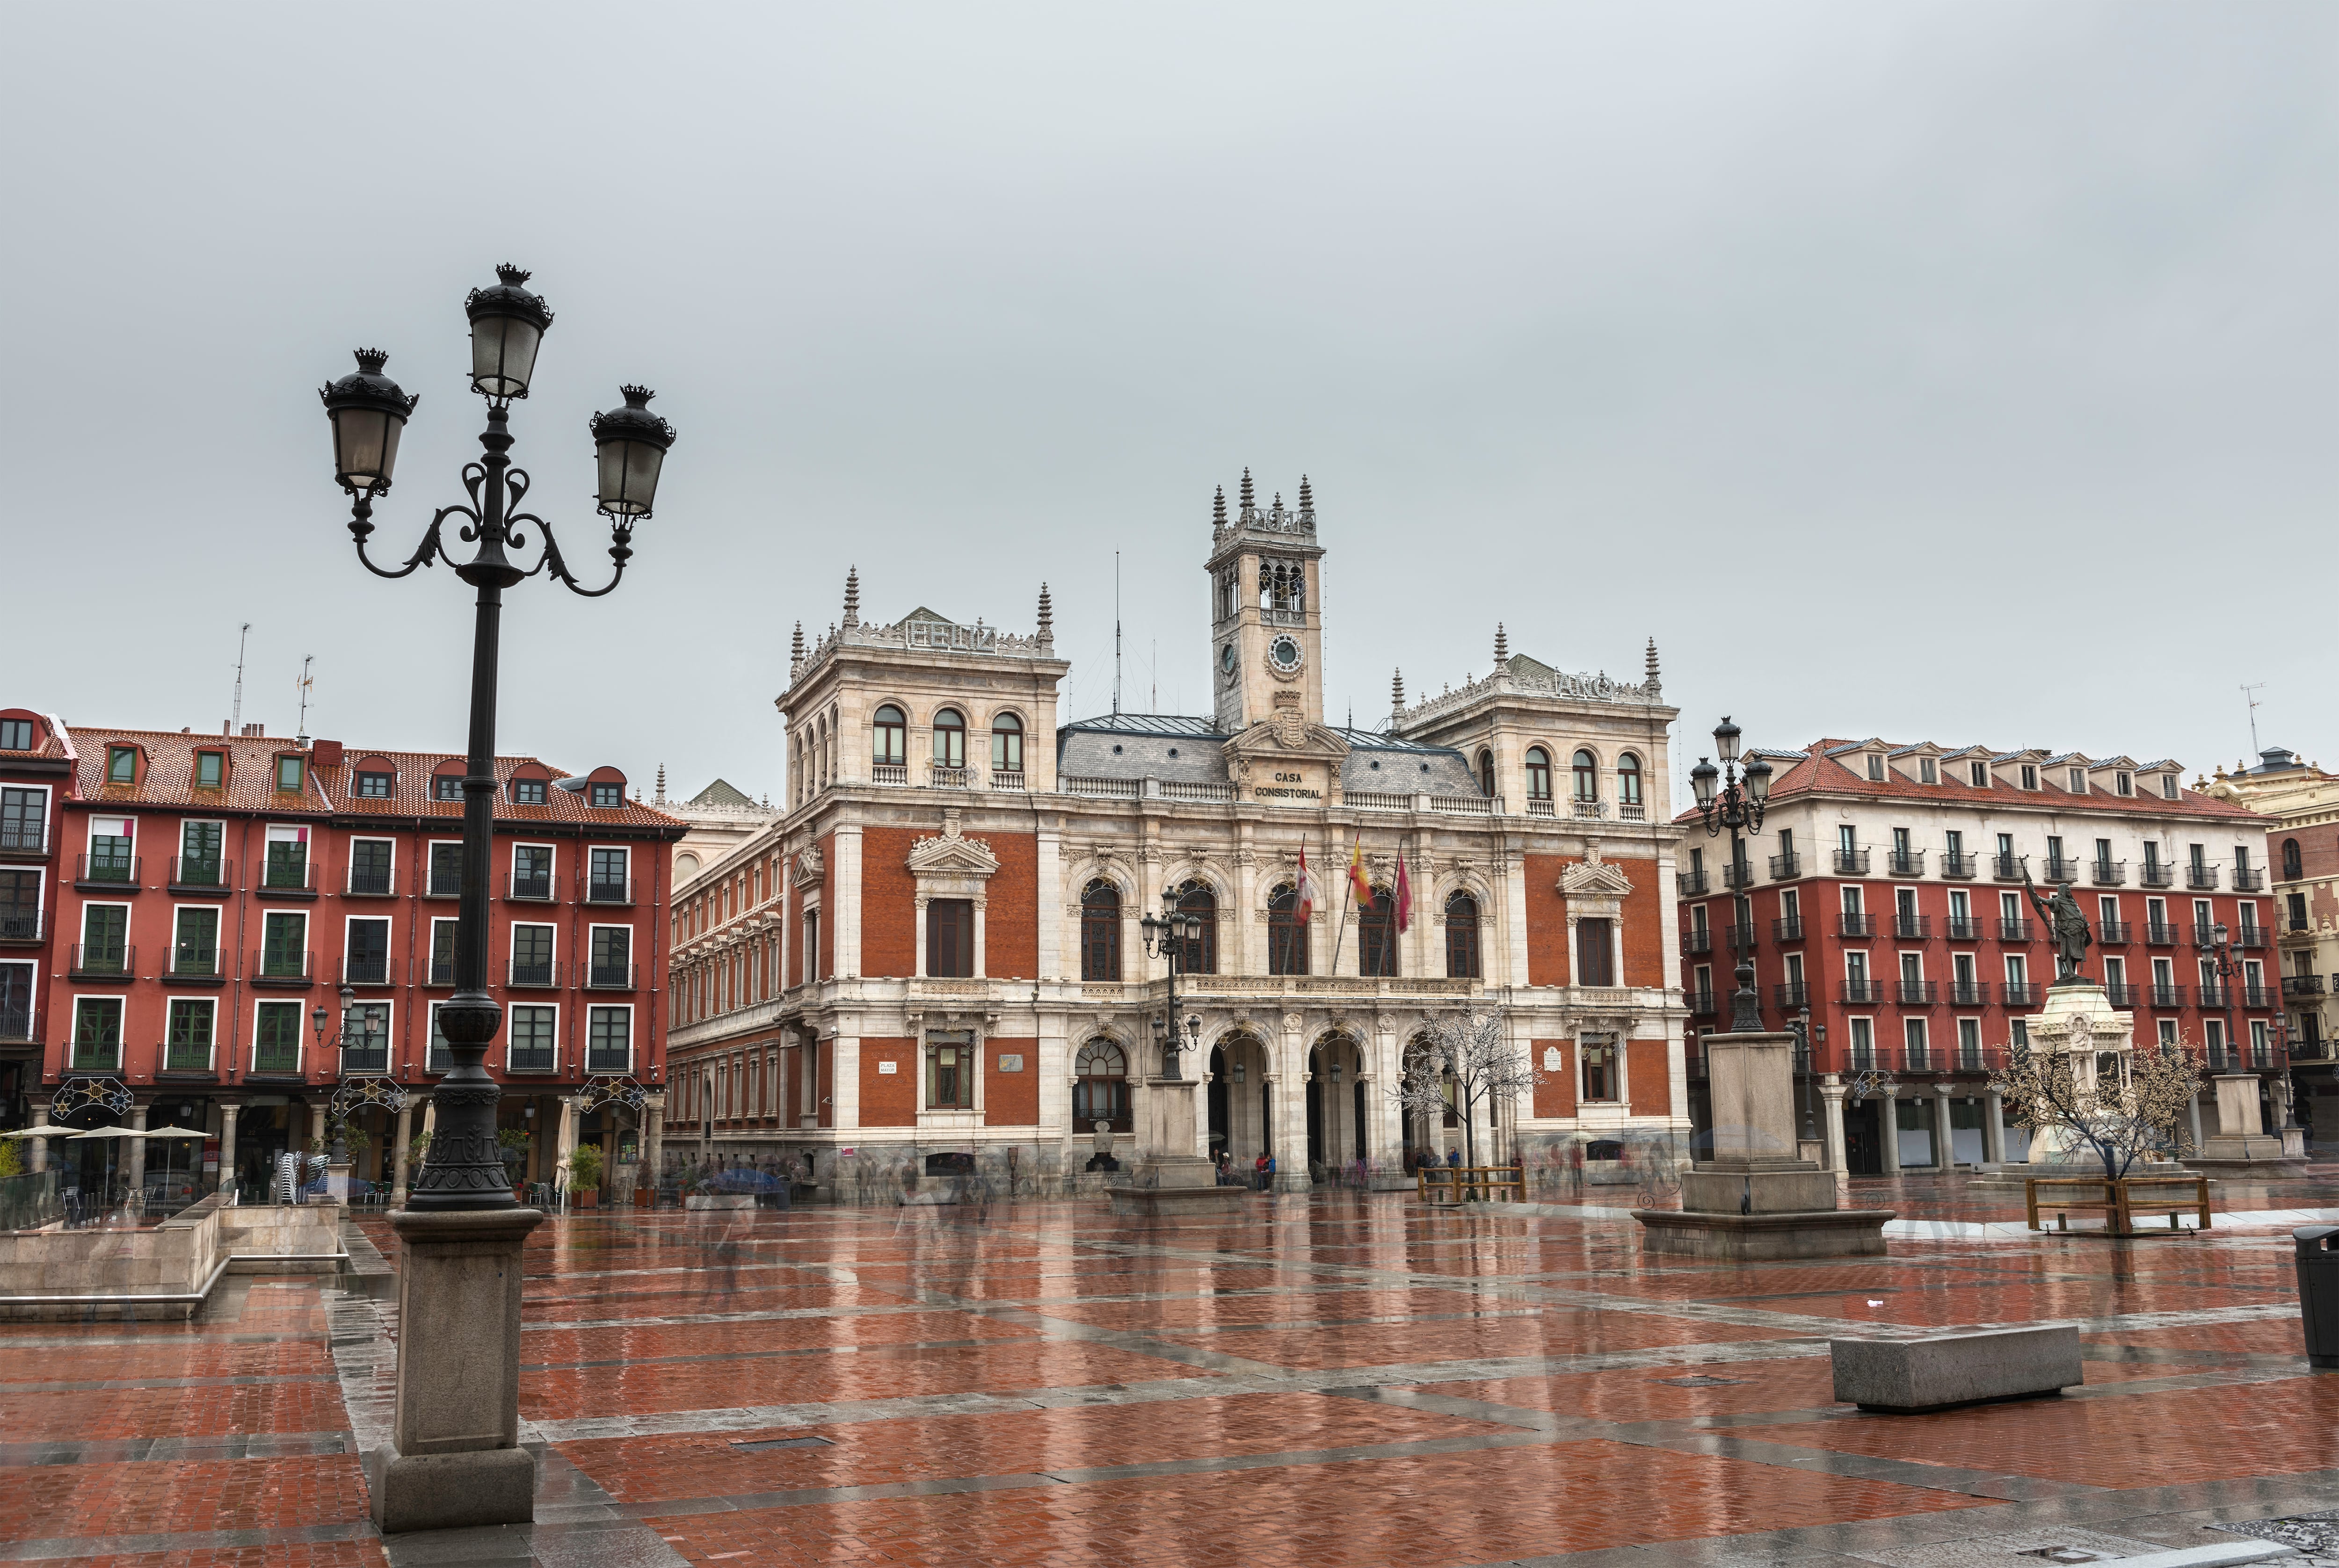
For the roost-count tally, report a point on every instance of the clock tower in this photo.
(1267, 615)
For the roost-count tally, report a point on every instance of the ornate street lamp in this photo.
(1736, 798)
(2222, 952)
(368, 411)
(1166, 936)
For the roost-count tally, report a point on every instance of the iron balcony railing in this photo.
(2259, 996)
(187, 1056)
(1968, 993)
(288, 875)
(365, 969)
(2217, 998)
(2202, 936)
(2115, 932)
(26, 838)
(535, 974)
(2201, 876)
(17, 1025)
(1852, 863)
(365, 1058)
(445, 882)
(610, 889)
(1957, 865)
(1737, 938)
(2249, 879)
(282, 966)
(2302, 985)
(107, 868)
(1912, 927)
(108, 958)
(1700, 1002)
(96, 1056)
(2168, 995)
(2061, 868)
(202, 874)
(1791, 994)
(532, 887)
(1855, 925)
(1905, 863)
(2120, 994)
(609, 977)
(1971, 1059)
(2251, 936)
(1916, 1058)
(2017, 931)
(2298, 925)
(1787, 928)
(1917, 992)
(2160, 933)
(1786, 867)
(1691, 883)
(442, 972)
(1861, 1058)
(192, 961)
(2019, 993)
(1859, 993)
(1964, 928)
(276, 1061)
(2107, 873)
(1697, 940)
(1738, 874)
(2156, 874)
(2007, 867)
(20, 925)
(370, 882)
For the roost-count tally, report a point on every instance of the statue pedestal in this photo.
(1170, 1177)
(2241, 1146)
(1756, 1198)
(2080, 1022)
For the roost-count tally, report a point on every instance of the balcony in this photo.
(1697, 940)
(2156, 874)
(442, 972)
(1905, 863)
(536, 974)
(2302, 985)
(444, 882)
(2260, 996)
(2200, 876)
(1541, 805)
(2006, 868)
(292, 969)
(2169, 995)
(2061, 868)
(287, 877)
(1786, 867)
(1008, 779)
(1861, 993)
(106, 872)
(365, 969)
(2122, 995)
(2107, 873)
(2016, 932)
(609, 976)
(1859, 927)
(2297, 925)
(103, 961)
(1912, 927)
(944, 777)
(2204, 937)
(1918, 1059)
(276, 1061)
(1956, 866)
(1971, 1059)
(1691, 883)
(96, 1056)
(1852, 863)
(2254, 936)
(1864, 1058)
(2019, 993)
(19, 1026)
(1627, 811)
(1787, 928)
(1968, 993)
(607, 891)
(193, 964)
(1700, 1002)
(365, 1060)
(1917, 992)
(2159, 933)
(24, 841)
(1737, 875)
(2217, 998)
(20, 925)
(1738, 938)
(202, 876)
(2115, 932)
(1964, 928)
(1789, 995)
(370, 882)
(1587, 810)
(532, 888)
(2249, 879)
(889, 773)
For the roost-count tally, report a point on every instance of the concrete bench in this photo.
(1903, 1377)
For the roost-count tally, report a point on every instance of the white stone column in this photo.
(1511, 887)
(41, 1145)
(845, 934)
(1239, 931)
(1831, 1092)
(653, 1142)
(918, 953)
(137, 1153)
(1993, 1128)
(845, 1077)
(1289, 1108)
(1945, 1138)
(981, 961)
(1888, 1117)
(1051, 896)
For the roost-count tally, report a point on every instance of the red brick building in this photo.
(189, 901)
(1885, 895)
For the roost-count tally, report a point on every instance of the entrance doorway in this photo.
(1863, 1145)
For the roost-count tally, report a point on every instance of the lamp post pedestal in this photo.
(454, 1459)
(2242, 1147)
(1169, 1176)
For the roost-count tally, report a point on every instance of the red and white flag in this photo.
(1305, 889)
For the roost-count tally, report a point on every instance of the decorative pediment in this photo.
(1288, 738)
(1594, 877)
(953, 853)
(808, 868)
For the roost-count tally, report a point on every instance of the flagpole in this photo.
(1347, 891)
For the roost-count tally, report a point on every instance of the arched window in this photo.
(1377, 934)
(1007, 744)
(1486, 774)
(950, 739)
(1538, 774)
(1587, 777)
(1201, 953)
(1100, 932)
(893, 736)
(1101, 1088)
(1628, 780)
(1286, 933)
(1462, 937)
(2290, 862)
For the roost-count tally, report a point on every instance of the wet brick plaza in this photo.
(1335, 1380)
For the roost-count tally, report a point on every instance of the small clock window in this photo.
(1227, 658)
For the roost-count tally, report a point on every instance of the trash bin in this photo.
(2318, 1292)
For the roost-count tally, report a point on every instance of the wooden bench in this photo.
(2118, 1199)
(1442, 1184)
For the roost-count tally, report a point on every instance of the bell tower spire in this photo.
(1267, 617)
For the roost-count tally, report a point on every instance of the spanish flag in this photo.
(1357, 878)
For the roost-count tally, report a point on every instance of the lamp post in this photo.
(455, 1458)
(2221, 947)
(1166, 936)
(1732, 798)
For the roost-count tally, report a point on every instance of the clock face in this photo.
(1227, 658)
(1283, 653)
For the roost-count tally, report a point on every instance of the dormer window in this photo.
(2169, 786)
(2030, 777)
(2123, 784)
(211, 770)
(608, 794)
(121, 764)
(2078, 780)
(15, 734)
(447, 787)
(1925, 772)
(1876, 767)
(287, 774)
(1979, 773)
(527, 792)
(373, 786)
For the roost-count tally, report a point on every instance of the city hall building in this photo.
(932, 957)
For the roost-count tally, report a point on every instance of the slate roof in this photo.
(719, 792)
(1141, 745)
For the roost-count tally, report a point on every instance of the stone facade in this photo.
(934, 957)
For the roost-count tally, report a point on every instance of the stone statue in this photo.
(2065, 924)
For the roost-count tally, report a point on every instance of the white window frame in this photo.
(128, 920)
(300, 1035)
(389, 1029)
(431, 953)
(631, 961)
(89, 833)
(511, 947)
(632, 1046)
(1621, 1097)
(219, 940)
(72, 1029)
(180, 853)
(430, 858)
(170, 1005)
(429, 1034)
(624, 849)
(357, 839)
(551, 872)
(554, 1007)
(389, 973)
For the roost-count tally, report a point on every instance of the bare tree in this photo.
(2120, 1112)
(1474, 1050)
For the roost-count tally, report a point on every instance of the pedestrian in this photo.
(1263, 1170)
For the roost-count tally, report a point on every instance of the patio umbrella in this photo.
(106, 1132)
(38, 1132)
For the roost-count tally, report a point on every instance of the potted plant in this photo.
(585, 1175)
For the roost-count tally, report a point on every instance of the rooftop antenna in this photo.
(1116, 633)
(235, 713)
(300, 730)
(1155, 699)
(2246, 690)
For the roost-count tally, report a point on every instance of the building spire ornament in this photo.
(661, 785)
(1047, 615)
(796, 649)
(852, 596)
(1501, 645)
(1651, 668)
(1306, 501)
(1397, 692)
(1248, 511)
(1219, 511)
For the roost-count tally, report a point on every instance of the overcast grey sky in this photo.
(1961, 372)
